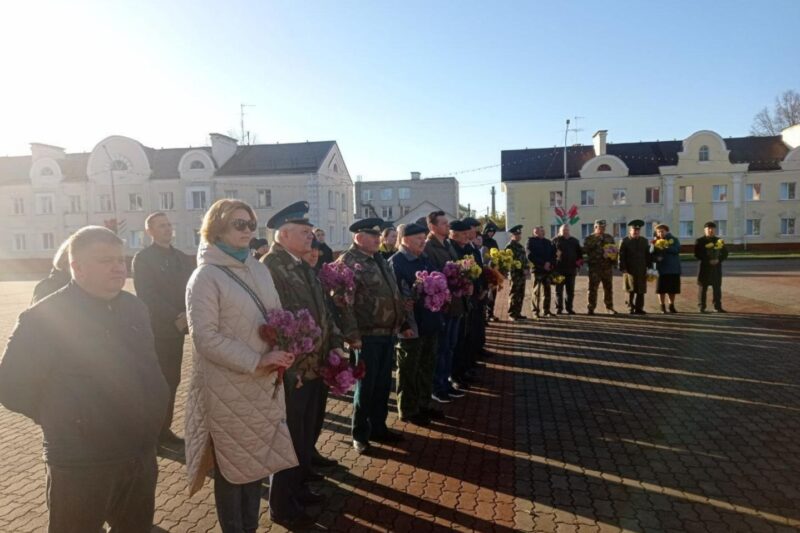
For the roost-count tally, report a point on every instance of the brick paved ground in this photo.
(660, 423)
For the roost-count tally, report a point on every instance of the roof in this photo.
(164, 162)
(642, 158)
(294, 158)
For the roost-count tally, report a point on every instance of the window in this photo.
(19, 242)
(753, 192)
(166, 201)
(405, 210)
(404, 193)
(264, 198)
(104, 203)
(46, 171)
(44, 204)
(366, 195)
(75, 203)
(197, 200)
(231, 194)
(703, 153)
(587, 197)
(604, 168)
(19, 206)
(648, 230)
(331, 203)
(620, 229)
(344, 234)
(788, 190)
(787, 226)
(556, 198)
(119, 164)
(135, 202)
(652, 195)
(686, 228)
(753, 227)
(330, 231)
(553, 230)
(686, 194)
(722, 227)
(386, 212)
(136, 239)
(719, 193)
(619, 196)
(197, 165)
(586, 230)
(386, 194)
(48, 241)
(367, 212)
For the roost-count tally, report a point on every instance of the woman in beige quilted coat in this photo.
(235, 423)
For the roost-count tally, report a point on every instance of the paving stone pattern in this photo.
(683, 422)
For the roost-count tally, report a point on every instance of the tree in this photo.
(785, 113)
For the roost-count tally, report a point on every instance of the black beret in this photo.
(422, 221)
(459, 225)
(414, 229)
(297, 213)
(367, 225)
(473, 222)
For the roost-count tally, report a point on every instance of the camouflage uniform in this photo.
(600, 269)
(374, 319)
(517, 279)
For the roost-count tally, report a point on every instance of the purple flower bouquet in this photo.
(338, 280)
(432, 288)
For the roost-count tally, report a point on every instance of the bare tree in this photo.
(785, 113)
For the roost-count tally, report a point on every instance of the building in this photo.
(400, 200)
(49, 194)
(748, 185)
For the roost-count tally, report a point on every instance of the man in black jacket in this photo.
(160, 274)
(542, 256)
(710, 251)
(568, 254)
(82, 365)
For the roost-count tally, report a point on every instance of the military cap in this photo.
(256, 243)
(459, 225)
(297, 213)
(414, 229)
(600, 222)
(422, 221)
(636, 223)
(473, 222)
(490, 226)
(367, 225)
(710, 224)
(516, 229)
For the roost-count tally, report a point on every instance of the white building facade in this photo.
(398, 200)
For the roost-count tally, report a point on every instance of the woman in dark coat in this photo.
(634, 257)
(668, 264)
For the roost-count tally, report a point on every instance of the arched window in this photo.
(335, 167)
(703, 154)
(46, 171)
(197, 165)
(604, 168)
(119, 164)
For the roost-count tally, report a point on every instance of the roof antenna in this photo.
(241, 119)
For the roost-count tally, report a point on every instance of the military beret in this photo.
(516, 229)
(459, 225)
(256, 243)
(600, 222)
(367, 225)
(636, 223)
(413, 229)
(473, 222)
(422, 221)
(297, 213)
(710, 224)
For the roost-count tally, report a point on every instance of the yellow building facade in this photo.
(750, 186)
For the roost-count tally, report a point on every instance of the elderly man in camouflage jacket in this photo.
(299, 288)
(600, 266)
(370, 326)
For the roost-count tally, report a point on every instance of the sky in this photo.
(436, 87)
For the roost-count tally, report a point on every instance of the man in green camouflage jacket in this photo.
(518, 275)
(370, 326)
(600, 267)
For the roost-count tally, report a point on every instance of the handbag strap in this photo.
(246, 287)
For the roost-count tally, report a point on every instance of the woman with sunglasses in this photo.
(235, 421)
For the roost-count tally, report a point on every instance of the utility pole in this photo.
(241, 119)
(494, 212)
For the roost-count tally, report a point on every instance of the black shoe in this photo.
(570, 312)
(314, 476)
(632, 311)
(640, 312)
(297, 520)
(321, 461)
(664, 309)
(309, 497)
(433, 414)
(418, 419)
(590, 312)
(361, 447)
(672, 308)
(522, 317)
(611, 312)
(453, 393)
(558, 311)
(720, 310)
(388, 437)
(703, 310)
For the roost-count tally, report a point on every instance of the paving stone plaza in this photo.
(683, 422)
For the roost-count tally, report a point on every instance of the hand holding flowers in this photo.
(339, 374)
(503, 260)
(610, 252)
(432, 288)
(295, 333)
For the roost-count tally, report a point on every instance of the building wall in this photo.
(442, 192)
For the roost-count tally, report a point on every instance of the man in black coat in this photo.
(568, 253)
(82, 365)
(542, 255)
(711, 252)
(634, 258)
(160, 275)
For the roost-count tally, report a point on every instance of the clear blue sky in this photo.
(436, 87)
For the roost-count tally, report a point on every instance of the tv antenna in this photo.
(241, 119)
(576, 129)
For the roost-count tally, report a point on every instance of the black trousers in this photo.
(371, 395)
(322, 404)
(302, 406)
(569, 285)
(170, 358)
(716, 294)
(237, 505)
(636, 301)
(81, 499)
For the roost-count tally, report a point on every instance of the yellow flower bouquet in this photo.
(503, 260)
(663, 244)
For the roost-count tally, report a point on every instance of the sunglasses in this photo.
(240, 224)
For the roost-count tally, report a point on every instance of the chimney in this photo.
(39, 150)
(599, 141)
(415, 175)
(222, 148)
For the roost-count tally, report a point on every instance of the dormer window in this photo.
(703, 154)
(46, 171)
(604, 168)
(197, 165)
(119, 164)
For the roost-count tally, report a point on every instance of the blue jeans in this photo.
(371, 397)
(448, 339)
(237, 505)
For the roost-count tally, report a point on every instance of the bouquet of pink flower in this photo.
(295, 333)
(432, 288)
(339, 374)
(458, 281)
(338, 280)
